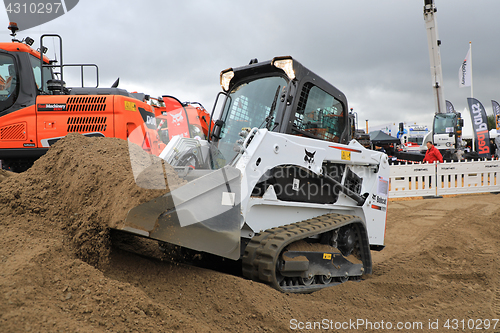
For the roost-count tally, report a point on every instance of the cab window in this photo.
(9, 81)
(47, 74)
(319, 114)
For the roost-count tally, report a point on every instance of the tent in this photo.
(380, 138)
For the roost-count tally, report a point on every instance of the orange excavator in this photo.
(37, 109)
(185, 119)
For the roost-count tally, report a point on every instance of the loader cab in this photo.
(282, 96)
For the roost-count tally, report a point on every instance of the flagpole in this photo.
(470, 60)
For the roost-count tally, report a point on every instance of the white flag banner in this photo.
(465, 72)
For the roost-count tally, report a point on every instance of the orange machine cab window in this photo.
(47, 74)
(9, 82)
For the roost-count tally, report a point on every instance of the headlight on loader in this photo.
(225, 78)
(286, 64)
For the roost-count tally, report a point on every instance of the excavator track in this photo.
(264, 252)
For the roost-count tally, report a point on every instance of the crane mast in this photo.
(447, 125)
(434, 55)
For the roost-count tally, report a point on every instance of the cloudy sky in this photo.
(374, 51)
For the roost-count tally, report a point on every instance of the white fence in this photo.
(413, 180)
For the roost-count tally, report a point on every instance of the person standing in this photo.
(432, 154)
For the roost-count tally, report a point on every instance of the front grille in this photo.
(86, 124)
(83, 103)
(13, 132)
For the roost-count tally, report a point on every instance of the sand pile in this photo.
(4, 174)
(83, 185)
(440, 262)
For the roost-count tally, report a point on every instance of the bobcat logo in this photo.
(309, 157)
(177, 118)
(31, 14)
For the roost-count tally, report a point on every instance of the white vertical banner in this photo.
(496, 114)
(465, 71)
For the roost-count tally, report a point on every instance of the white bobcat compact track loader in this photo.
(277, 185)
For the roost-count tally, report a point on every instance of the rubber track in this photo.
(263, 250)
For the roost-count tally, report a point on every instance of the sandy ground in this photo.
(59, 273)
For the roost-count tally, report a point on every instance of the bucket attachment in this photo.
(202, 215)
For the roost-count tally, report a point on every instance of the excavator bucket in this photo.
(203, 214)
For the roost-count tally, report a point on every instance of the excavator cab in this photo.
(18, 81)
